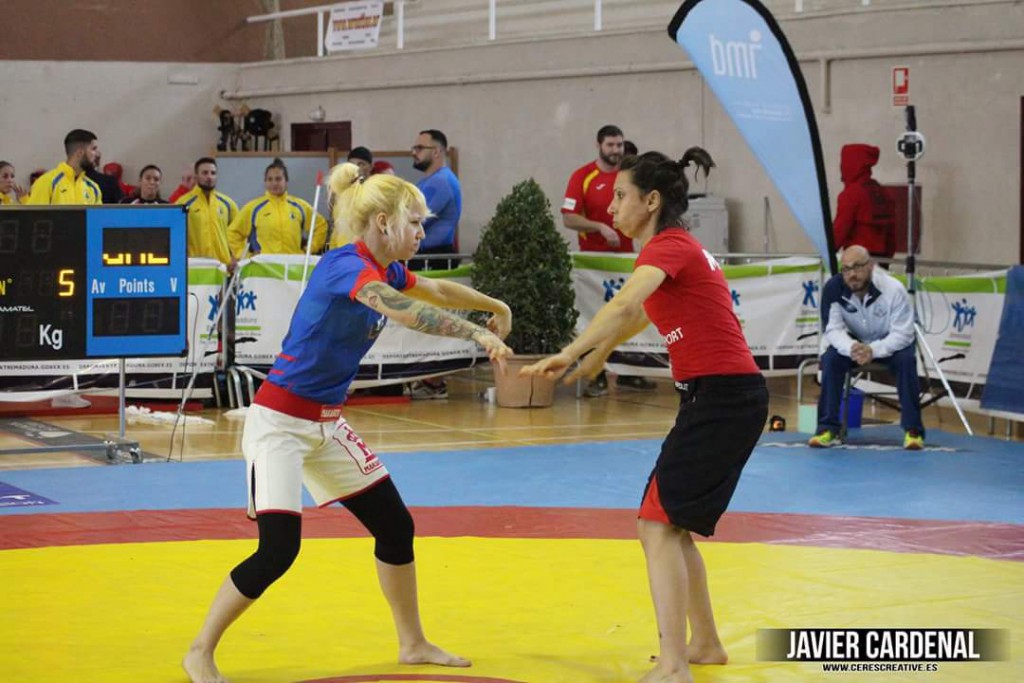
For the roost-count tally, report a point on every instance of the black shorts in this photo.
(720, 420)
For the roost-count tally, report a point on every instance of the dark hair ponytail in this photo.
(276, 163)
(700, 158)
(655, 171)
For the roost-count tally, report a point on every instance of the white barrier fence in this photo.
(776, 301)
(270, 285)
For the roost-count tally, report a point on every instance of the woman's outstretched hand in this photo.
(501, 323)
(496, 349)
(551, 367)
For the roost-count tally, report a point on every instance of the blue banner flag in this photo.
(745, 59)
(1006, 373)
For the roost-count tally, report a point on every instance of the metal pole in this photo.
(319, 34)
(400, 18)
(911, 266)
(598, 19)
(120, 396)
(942, 377)
(312, 231)
(492, 20)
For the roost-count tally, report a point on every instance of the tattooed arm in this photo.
(428, 319)
(453, 295)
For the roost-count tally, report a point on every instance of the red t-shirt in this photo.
(692, 309)
(589, 194)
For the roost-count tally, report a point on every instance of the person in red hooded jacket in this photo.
(117, 171)
(866, 215)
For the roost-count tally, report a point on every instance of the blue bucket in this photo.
(853, 419)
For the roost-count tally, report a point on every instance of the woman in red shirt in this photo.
(680, 288)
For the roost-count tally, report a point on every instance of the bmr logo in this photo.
(611, 287)
(734, 58)
(246, 300)
(810, 288)
(214, 300)
(964, 315)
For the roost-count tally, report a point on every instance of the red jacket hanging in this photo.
(865, 215)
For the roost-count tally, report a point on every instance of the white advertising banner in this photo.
(960, 319)
(354, 26)
(776, 302)
(268, 292)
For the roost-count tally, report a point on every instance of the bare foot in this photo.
(660, 674)
(706, 653)
(428, 653)
(200, 668)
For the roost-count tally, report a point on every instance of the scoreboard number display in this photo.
(79, 283)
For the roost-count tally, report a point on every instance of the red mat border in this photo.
(980, 539)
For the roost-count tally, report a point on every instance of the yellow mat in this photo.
(534, 611)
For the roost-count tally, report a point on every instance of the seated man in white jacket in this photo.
(867, 317)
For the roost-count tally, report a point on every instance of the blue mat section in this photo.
(981, 480)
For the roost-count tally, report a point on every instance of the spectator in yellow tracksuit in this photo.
(209, 214)
(68, 184)
(10, 191)
(277, 222)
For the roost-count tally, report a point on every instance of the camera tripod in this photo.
(911, 146)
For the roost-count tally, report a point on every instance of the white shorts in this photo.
(283, 452)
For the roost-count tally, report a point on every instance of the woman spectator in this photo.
(277, 222)
(10, 191)
(148, 191)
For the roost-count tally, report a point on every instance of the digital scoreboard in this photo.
(78, 283)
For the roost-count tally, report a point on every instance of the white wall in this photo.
(531, 107)
(519, 108)
(139, 117)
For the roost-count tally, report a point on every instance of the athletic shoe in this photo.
(635, 383)
(69, 401)
(823, 439)
(423, 391)
(913, 440)
(597, 387)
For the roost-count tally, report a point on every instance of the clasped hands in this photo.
(861, 353)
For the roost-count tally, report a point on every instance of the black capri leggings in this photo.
(380, 509)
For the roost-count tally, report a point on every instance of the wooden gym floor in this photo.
(463, 421)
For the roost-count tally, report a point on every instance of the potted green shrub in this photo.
(525, 262)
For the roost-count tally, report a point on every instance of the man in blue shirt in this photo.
(444, 199)
(868, 317)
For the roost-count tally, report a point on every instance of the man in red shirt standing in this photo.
(585, 210)
(589, 193)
